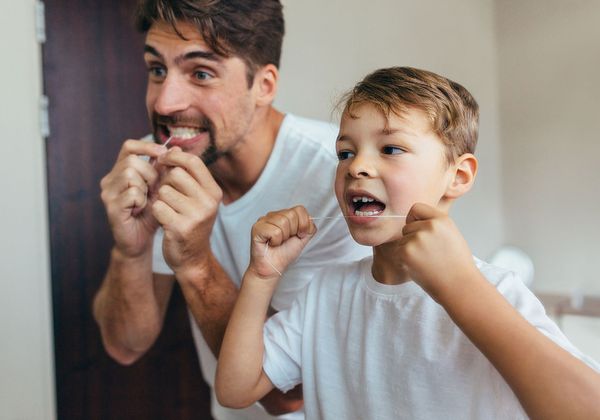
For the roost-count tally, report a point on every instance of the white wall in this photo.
(549, 61)
(26, 357)
(330, 45)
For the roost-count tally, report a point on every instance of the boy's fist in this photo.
(277, 240)
(434, 251)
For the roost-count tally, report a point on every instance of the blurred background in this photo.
(532, 65)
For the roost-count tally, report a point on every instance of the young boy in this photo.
(421, 330)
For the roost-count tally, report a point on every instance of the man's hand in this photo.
(434, 251)
(277, 240)
(276, 403)
(126, 194)
(186, 208)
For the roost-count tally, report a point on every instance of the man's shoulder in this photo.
(310, 129)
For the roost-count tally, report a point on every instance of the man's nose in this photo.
(174, 96)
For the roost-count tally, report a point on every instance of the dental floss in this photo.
(266, 254)
(339, 217)
(269, 261)
(153, 160)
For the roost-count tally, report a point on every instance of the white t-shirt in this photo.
(300, 170)
(366, 350)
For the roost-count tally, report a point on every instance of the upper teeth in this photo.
(363, 199)
(183, 132)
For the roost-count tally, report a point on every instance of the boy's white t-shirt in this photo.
(300, 171)
(366, 350)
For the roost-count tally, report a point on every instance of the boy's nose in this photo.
(173, 96)
(360, 167)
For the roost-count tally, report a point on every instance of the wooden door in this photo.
(95, 80)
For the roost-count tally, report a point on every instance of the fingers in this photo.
(130, 171)
(421, 211)
(140, 148)
(194, 166)
(421, 218)
(277, 227)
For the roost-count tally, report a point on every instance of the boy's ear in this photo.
(265, 83)
(465, 169)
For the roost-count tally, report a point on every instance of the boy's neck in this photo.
(387, 267)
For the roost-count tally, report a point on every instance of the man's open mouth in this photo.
(364, 205)
(183, 133)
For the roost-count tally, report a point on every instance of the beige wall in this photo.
(332, 44)
(549, 60)
(26, 361)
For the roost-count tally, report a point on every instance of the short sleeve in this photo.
(283, 345)
(523, 299)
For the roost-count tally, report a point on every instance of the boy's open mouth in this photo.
(364, 205)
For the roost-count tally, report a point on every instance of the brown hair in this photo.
(250, 29)
(453, 112)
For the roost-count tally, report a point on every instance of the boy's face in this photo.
(385, 166)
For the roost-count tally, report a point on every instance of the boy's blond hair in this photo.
(453, 112)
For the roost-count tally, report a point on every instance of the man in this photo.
(185, 214)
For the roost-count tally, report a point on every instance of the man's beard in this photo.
(211, 154)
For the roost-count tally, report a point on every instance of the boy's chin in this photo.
(368, 240)
(373, 240)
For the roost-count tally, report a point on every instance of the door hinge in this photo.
(44, 117)
(40, 21)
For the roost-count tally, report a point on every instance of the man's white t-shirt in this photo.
(366, 350)
(300, 170)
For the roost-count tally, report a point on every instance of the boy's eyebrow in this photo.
(343, 137)
(388, 131)
(207, 55)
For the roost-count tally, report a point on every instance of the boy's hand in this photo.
(434, 251)
(277, 240)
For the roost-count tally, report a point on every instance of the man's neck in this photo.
(238, 171)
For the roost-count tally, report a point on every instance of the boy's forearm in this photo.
(548, 381)
(126, 308)
(240, 380)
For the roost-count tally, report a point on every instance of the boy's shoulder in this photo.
(507, 282)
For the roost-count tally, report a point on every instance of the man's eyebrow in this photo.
(151, 50)
(207, 55)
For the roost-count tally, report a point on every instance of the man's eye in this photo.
(344, 154)
(157, 72)
(202, 75)
(392, 150)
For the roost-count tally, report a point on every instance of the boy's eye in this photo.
(392, 150)
(344, 154)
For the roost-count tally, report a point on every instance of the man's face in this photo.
(385, 166)
(198, 99)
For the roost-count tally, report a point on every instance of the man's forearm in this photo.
(127, 307)
(210, 295)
